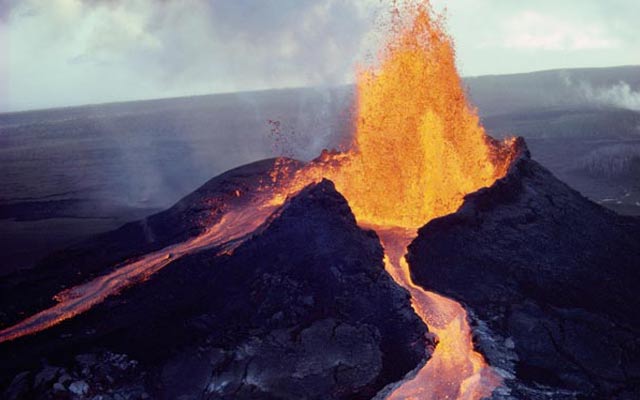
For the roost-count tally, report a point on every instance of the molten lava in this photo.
(418, 143)
(226, 234)
(418, 149)
(455, 370)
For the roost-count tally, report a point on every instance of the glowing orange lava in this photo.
(418, 149)
(418, 146)
(455, 370)
(227, 233)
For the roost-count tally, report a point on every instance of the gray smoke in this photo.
(148, 48)
(618, 95)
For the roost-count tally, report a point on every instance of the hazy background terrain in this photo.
(71, 172)
(72, 52)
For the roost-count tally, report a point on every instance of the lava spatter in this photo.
(418, 148)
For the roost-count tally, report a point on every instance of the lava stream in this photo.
(418, 149)
(233, 226)
(455, 370)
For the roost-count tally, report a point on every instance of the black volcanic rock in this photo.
(25, 292)
(302, 309)
(551, 276)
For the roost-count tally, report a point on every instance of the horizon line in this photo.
(282, 88)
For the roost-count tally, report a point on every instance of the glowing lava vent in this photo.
(418, 149)
(418, 146)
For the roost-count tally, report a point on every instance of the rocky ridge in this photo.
(302, 309)
(551, 279)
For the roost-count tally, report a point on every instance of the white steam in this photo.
(618, 95)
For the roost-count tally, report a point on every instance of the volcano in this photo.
(309, 278)
(425, 260)
(552, 279)
(302, 306)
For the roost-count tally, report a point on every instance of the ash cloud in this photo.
(70, 52)
(147, 49)
(113, 50)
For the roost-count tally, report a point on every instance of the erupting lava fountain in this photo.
(418, 149)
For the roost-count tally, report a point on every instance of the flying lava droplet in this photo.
(418, 149)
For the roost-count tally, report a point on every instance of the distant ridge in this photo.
(598, 75)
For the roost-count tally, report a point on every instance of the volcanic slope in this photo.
(241, 322)
(27, 292)
(553, 277)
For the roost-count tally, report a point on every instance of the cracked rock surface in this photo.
(552, 281)
(302, 309)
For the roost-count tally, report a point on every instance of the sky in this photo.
(57, 53)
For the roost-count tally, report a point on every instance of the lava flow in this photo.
(227, 233)
(456, 370)
(418, 149)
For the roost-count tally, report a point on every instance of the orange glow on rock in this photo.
(455, 370)
(418, 146)
(418, 149)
